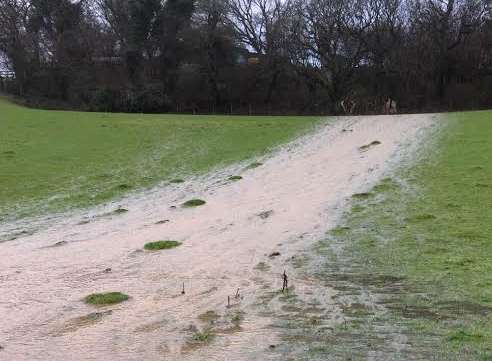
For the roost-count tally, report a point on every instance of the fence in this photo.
(7, 74)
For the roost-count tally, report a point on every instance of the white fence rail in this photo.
(7, 74)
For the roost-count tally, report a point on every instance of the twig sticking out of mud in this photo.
(285, 286)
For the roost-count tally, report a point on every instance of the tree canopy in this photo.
(249, 56)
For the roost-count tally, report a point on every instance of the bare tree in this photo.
(384, 40)
(441, 26)
(260, 26)
(211, 16)
(333, 34)
(306, 55)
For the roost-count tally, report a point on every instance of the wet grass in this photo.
(385, 185)
(429, 244)
(340, 231)
(161, 245)
(411, 264)
(109, 298)
(56, 160)
(194, 203)
(464, 337)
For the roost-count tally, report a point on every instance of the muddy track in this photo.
(235, 248)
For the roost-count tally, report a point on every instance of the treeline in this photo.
(249, 56)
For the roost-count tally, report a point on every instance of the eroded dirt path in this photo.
(279, 208)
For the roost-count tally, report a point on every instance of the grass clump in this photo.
(117, 212)
(177, 181)
(109, 298)
(265, 214)
(254, 165)
(209, 317)
(78, 323)
(262, 266)
(237, 318)
(194, 203)
(204, 336)
(120, 211)
(366, 147)
(235, 178)
(161, 245)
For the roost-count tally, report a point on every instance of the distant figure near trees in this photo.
(348, 105)
(390, 106)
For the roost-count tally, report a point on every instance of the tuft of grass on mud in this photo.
(177, 181)
(78, 323)
(237, 318)
(262, 266)
(194, 203)
(120, 211)
(366, 147)
(254, 165)
(161, 245)
(235, 178)
(265, 214)
(53, 161)
(203, 336)
(209, 317)
(109, 298)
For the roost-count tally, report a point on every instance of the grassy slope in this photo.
(423, 244)
(412, 261)
(52, 160)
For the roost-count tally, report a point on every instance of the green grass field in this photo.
(55, 160)
(421, 244)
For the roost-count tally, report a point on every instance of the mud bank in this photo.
(236, 246)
